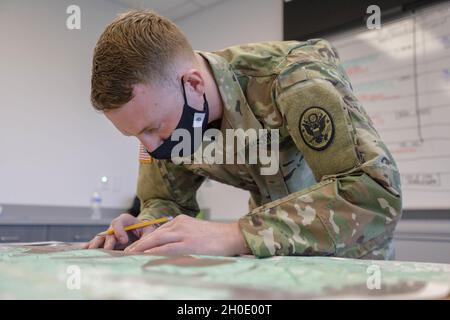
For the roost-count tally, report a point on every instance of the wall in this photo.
(233, 22)
(53, 146)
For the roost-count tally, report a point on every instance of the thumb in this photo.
(119, 224)
(141, 232)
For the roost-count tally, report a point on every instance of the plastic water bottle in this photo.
(96, 204)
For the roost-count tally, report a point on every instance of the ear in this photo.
(194, 81)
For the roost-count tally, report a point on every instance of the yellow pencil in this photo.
(136, 226)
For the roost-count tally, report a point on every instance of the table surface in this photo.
(64, 271)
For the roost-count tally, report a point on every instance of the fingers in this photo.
(97, 242)
(118, 225)
(120, 236)
(155, 239)
(110, 242)
(140, 232)
(170, 249)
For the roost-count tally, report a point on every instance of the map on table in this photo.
(64, 271)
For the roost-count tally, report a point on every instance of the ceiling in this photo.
(172, 9)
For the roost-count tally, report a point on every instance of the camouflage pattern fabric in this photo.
(337, 191)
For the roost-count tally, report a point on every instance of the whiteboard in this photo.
(401, 74)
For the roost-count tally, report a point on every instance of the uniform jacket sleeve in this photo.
(166, 189)
(353, 209)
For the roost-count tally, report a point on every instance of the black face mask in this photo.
(191, 120)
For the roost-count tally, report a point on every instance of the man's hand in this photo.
(186, 235)
(120, 239)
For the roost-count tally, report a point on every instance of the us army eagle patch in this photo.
(316, 128)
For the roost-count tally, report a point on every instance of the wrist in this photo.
(240, 244)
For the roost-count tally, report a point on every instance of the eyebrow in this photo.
(149, 127)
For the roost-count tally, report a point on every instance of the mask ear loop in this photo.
(184, 93)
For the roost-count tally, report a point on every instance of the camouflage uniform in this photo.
(337, 191)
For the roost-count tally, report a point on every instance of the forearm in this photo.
(165, 189)
(157, 208)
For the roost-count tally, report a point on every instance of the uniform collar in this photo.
(236, 111)
(238, 114)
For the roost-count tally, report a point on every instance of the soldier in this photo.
(337, 188)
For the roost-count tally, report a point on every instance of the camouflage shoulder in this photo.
(258, 59)
(317, 59)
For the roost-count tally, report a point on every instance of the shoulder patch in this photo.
(320, 125)
(144, 157)
(316, 128)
